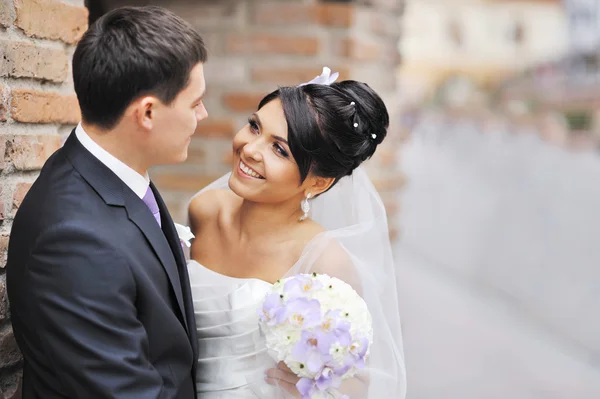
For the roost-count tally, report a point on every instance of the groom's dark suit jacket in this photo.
(99, 293)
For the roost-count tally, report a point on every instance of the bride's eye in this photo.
(253, 125)
(279, 149)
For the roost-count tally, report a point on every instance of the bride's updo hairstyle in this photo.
(333, 128)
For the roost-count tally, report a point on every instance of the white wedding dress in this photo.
(232, 354)
(233, 357)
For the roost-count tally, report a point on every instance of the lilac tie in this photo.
(151, 203)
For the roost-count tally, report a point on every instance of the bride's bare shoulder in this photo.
(209, 204)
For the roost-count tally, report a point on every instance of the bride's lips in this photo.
(246, 171)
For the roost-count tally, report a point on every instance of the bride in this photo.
(295, 202)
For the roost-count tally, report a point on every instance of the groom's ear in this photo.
(145, 109)
(320, 184)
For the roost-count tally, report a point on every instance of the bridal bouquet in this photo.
(320, 328)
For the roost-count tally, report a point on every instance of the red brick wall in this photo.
(37, 106)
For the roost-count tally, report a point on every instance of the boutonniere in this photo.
(184, 233)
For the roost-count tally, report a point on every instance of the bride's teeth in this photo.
(249, 171)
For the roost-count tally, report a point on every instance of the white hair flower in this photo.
(326, 78)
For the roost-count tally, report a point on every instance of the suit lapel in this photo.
(169, 228)
(175, 244)
(139, 214)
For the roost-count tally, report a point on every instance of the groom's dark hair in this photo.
(130, 52)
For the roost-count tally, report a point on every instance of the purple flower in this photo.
(333, 329)
(300, 286)
(272, 310)
(302, 313)
(328, 379)
(356, 355)
(306, 351)
(323, 382)
(306, 387)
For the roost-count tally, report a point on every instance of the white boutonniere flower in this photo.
(184, 233)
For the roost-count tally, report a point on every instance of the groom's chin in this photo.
(174, 158)
(182, 157)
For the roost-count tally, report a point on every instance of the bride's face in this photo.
(264, 169)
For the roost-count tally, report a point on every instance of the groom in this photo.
(97, 282)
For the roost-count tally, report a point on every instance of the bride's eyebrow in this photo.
(279, 138)
(258, 122)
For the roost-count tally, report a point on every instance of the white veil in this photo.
(356, 248)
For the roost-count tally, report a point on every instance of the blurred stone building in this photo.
(482, 40)
(254, 46)
(568, 85)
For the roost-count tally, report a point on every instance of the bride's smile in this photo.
(247, 171)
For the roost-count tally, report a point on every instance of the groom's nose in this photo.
(201, 112)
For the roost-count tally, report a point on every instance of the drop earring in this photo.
(305, 206)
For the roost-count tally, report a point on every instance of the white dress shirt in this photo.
(136, 182)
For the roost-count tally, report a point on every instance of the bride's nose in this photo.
(252, 150)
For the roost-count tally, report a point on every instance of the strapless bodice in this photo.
(232, 354)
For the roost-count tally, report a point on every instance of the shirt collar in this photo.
(135, 181)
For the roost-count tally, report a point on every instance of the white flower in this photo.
(184, 233)
(326, 78)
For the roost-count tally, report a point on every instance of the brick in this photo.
(216, 128)
(293, 75)
(212, 14)
(3, 249)
(27, 60)
(264, 43)
(181, 182)
(3, 301)
(359, 50)
(225, 71)
(336, 15)
(29, 152)
(32, 106)
(9, 351)
(2, 206)
(19, 194)
(6, 17)
(2, 151)
(274, 13)
(50, 19)
(4, 97)
(242, 102)
(385, 24)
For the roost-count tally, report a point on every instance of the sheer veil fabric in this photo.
(356, 248)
